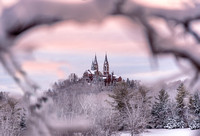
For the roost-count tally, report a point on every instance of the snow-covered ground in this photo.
(167, 132)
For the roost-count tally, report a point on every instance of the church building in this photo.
(94, 75)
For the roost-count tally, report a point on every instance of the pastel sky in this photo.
(49, 54)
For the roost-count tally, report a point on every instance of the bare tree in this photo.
(132, 108)
(11, 116)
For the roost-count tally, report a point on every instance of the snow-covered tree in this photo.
(181, 106)
(132, 108)
(80, 99)
(171, 120)
(194, 110)
(139, 112)
(12, 116)
(194, 104)
(178, 111)
(73, 77)
(144, 97)
(121, 96)
(99, 112)
(160, 110)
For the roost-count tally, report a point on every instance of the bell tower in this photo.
(106, 66)
(92, 66)
(95, 66)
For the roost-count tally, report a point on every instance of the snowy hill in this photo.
(171, 88)
(167, 132)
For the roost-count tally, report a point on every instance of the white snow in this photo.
(116, 76)
(91, 71)
(168, 132)
(104, 77)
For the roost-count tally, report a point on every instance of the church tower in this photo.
(95, 66)
(92, 66)
(106, 66)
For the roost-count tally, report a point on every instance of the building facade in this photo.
(94, 75)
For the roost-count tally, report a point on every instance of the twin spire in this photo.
(95, 66)
(106, 66)
(106, 59)
(94, 75)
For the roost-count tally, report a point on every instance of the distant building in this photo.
(94, 75)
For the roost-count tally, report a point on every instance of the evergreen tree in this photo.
(121, 97)
(144, 96)
(194, 110)
(171, 120)
(196, 105)
(160, 110)
(191, 104)
(181, 107)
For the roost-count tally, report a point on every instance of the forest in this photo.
(127, 106)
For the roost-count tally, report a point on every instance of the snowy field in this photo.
(167, 132)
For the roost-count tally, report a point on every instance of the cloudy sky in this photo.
(49, 54)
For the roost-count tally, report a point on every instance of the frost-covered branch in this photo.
(27, 14)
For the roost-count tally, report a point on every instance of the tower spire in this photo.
(92, 66)
(106, 59)
(95, 58)
(95, 64)
(106, 66)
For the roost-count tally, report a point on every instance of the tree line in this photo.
(136, 110)
(126, 106)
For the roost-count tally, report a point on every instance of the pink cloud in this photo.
(110, 37)
(45, 68)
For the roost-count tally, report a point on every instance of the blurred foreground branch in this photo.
(26, 14)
